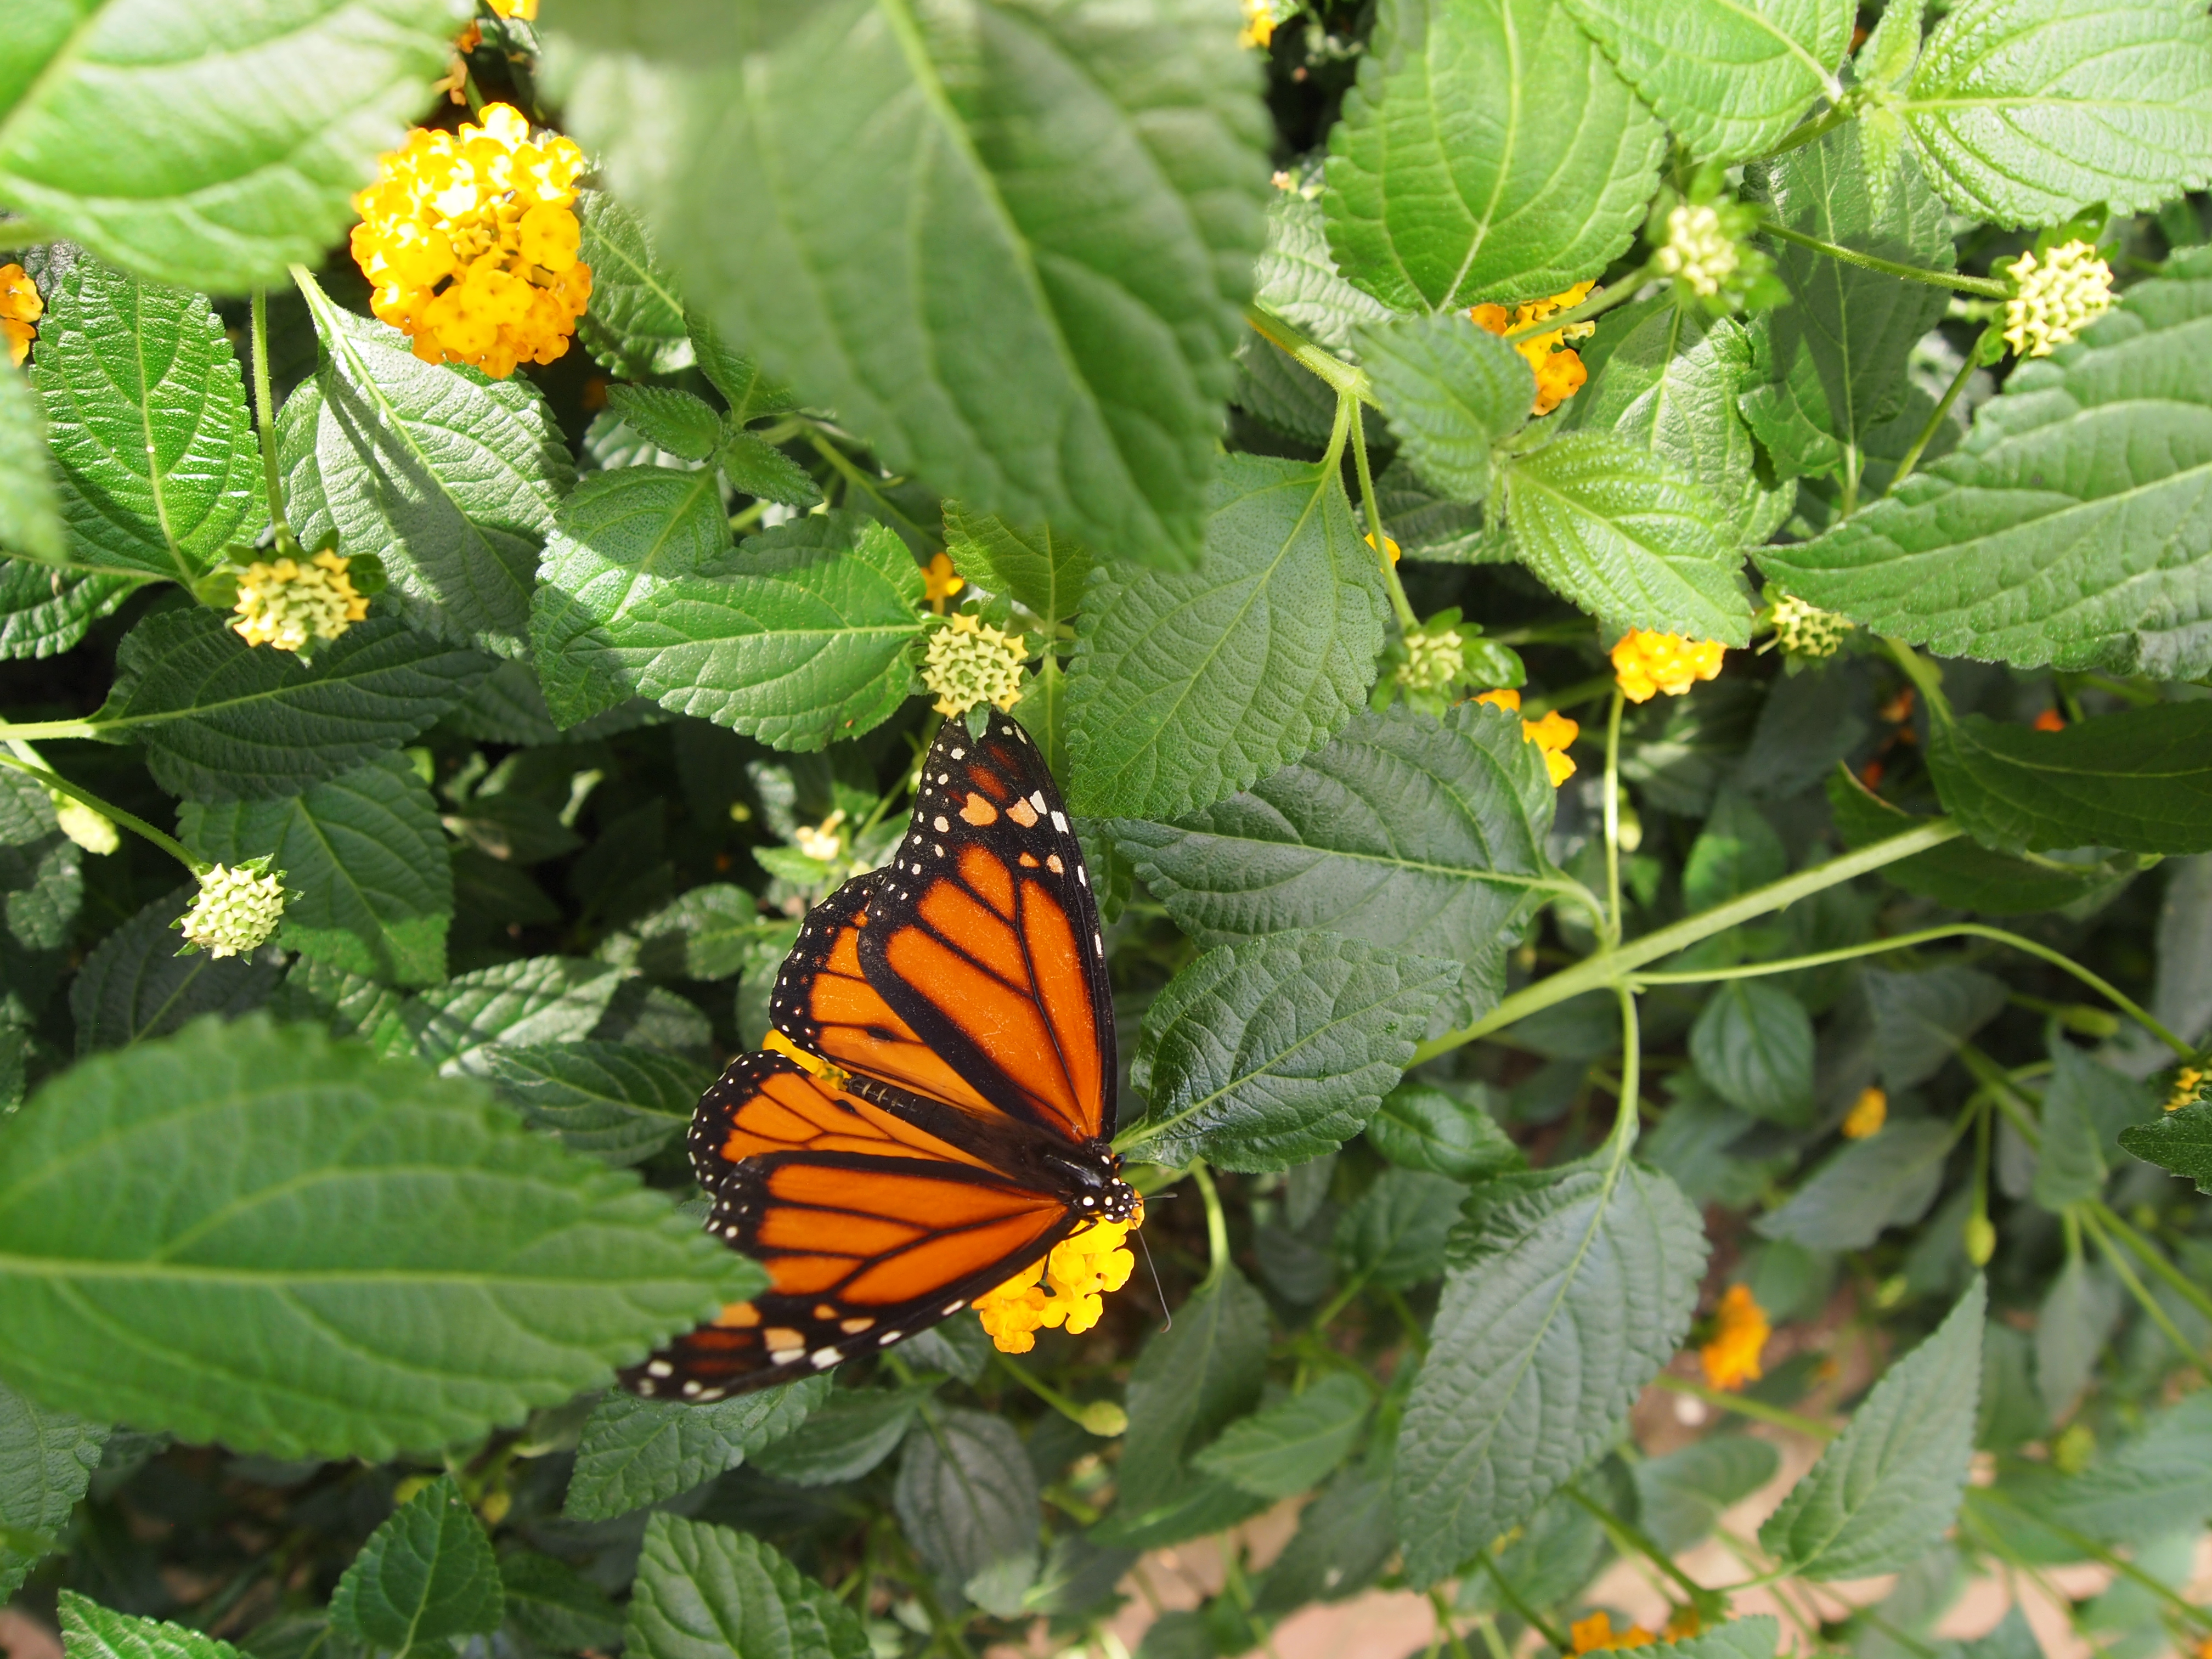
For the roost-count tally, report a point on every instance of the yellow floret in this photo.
(1741, 1330)
(1080, 1272)
(1867, 1113)
(285, 602)
(21, 307)
(1559, 371)
(1647, 664)
(2055, 299)
(1554, 734)
(970, 662)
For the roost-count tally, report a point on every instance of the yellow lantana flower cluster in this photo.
(1258, 23)
(1740, 1333)
(1699, 249)
(1867, 1113)
(525, 9)
(1647, 664)
(1595, 1634)
(2056, 298)
(1554, 734)
(2188, 1082)
(1078, 1274)
(970, 662)
(21, 307)
(470, 240)
(1559, 371)
(285, 602)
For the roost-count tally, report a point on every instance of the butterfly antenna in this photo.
(1158, 1289)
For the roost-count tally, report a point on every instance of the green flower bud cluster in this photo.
(236, 910)
(970, 663)
(1806, 630)
(2055, 298)
(1433, 659)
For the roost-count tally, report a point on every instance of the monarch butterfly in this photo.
(941, 1115)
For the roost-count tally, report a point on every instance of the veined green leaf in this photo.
(1281, 1450)
(1888, 1487)
(1422, 1127)
(45, 1460)
(428, 1574)
(1261, 1055)
(224, 721)
(1050, 341)
(1729, 77)
(555, 1607)
(967, 1498)
(1296, 279)
(2086, 1106)
(1452, 393)
(2156, 1483)
(634, 325)
(1034, 568)
(1957, 873)
(30, 519)
(635, 1452)
(536, 1000)
(365, 854)
(842, 1437)
(1187, 688)
(1625, 533)
(2140, 780)
(756, 468)
(669, 419)
(616, 1101)
(156, 1203)
(2029, 111)
(2178, 1142)
(1681, 1494)
(1753, 1044)
(1829, 366)
(707, 1592)
(2072, 1324)
(92, 1632)
(2070, 528)
(1920, 1020)
(1886, 1180)
(1397, 1235)
(1576, 1293)
(447, 477)
(43, 612)
(1489, 151)
(145, 410)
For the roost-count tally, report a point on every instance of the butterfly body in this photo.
(939, 1115)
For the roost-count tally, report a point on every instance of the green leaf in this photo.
(1752, 1638)
(1395, 1235)
(2158, 1482)
(1627, 535)
(668, 419)
(553, 1605)
(145, 408)
(704, 933)
(1886, 1180)
(30, 519)
(47, 1458)
(1410, 833)
(223, 721)
(2180, 1142)
(1921, 1019)
(1193, 1379)
(756, 468)
(1034, 568)
(1274, 640)
(2072, 1324)
(1489, 152)
(1959, 872)
(134, 986)
(1576, 1292)
(534, 999)
(1422, 1127)
(2068, 528)
(1729, 77)
(798, 640)
(2141, 780)
(1753, 1044)
(1452, 393)
(708, 1593)
(619, 1102)
(1296, 279)
(2085, 1106)
(2029, 111)
(1680, 1496)
(1735, 851)
(1293, 1444)
(1343, 1542)
(1050, 341)
(1830, 366)
(364, 853)
(480, 1271)
(41, 876)
(449, 478)
(635, 1452)
(92, 100)
(92, 1632)
(633, 325)
(967, 1500)
(428, 1574)
(1264, 1055)
(842, 1439)
(1888, 1487)
(44, 612)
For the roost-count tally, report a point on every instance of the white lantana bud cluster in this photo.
(1806, 630)
(236, 910)
(1433, 660)
(1699, 249)
(2055, 298)
(92, 829)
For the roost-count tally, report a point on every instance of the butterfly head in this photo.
(1097, 1193)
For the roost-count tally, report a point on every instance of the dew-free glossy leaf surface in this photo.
(619, 1102)
(1033, 567)
(1753, 1044)
(635, 1452)
(967, 1497)
(634, 325)
(2180, 1142)
(426, 1575)
(30, 521)
(1290, 1446)
(44, 612)
(707, 1592)
(1450, 392)
(92, 1632)
(2140, 780)
(46, 1458)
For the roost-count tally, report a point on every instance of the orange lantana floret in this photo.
(1559, 371)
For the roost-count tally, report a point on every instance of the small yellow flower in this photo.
(1867, 1113)
(1432, 661)
(938, 583)
(1806, 630)
(2055, 299)
(21, 307)
(1559, 371)
(2186, 1083)
(236, 909)
(1699, 249)
(1682, 1623)
(1503, 697)
(471, 239)
(1554, 734)
(1258, 28)
(970, 662)
(1647, 664)
(821, 840)
(1388, 546)
(525, 9)
(1596, 1634)
(1080, 1272)
(1741, 1330)
(285, 603)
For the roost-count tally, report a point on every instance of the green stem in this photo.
(1987, 286)
(2095, 1552)
(1217, 1223)
(1615, 919)
(1529, 1616)
(1406, 620)
(1935, 420)
(861, 481)
(1618, 965)
(264, 420)
(1492, 1642)
(1632, 1062)
(131, 822)
(1445, 1624)
(2144, 1299)
(39, 731)
(1604, 300)
(1622, 1533)
(2176, 1280)
(1817, 126)
(2120, 999)
(1758, 1410)
(1342, 378)
(1051, 1397)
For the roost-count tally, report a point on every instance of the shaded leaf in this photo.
(1753, 1044)
(1293, 1444)
(426, 1575)
(134, 986)
(708, 1593)
(967, 1501)
(634, 1452)
(1422, 1127)
(1394, 1237)
(1957, 873)
(2140, 780)
(1680, 1496)
(2158, 1481)
(843, 1438)
(549, 1603)
(46, 1457)
(44, 612)
(616, 1101)
(1191, 1381)
(1921, 1019)
(1888, 1180)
